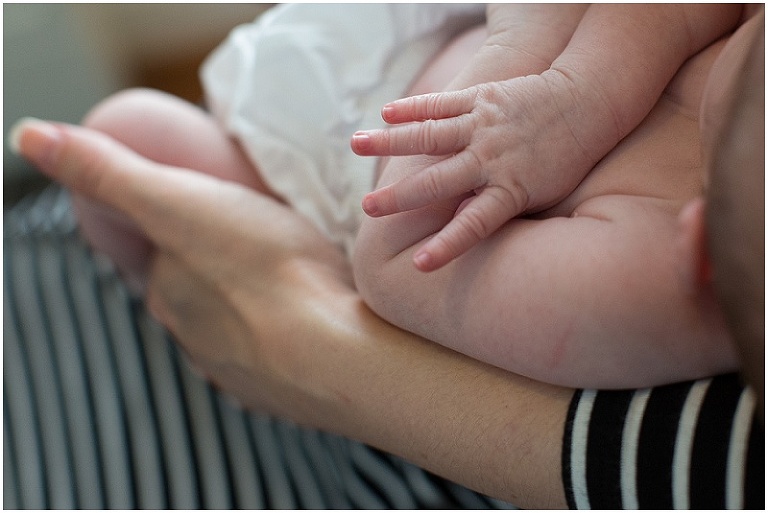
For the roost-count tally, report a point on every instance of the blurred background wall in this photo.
(60, 59)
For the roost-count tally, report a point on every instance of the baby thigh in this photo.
(167, 130)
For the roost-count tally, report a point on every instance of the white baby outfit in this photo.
(293, 86)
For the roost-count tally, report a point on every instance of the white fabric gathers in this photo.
(293, 86)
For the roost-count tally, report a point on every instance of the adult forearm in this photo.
(477, 425)
(281, 328)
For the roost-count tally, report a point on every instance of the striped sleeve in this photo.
(688, 445)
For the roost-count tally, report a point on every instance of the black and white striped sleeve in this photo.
(690, 445)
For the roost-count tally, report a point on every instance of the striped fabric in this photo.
(692, 445)
(100, 410)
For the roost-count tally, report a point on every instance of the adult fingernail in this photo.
(34, 139)
(14, 137)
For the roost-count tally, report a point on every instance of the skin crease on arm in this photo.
(522, 39)
(623, 52)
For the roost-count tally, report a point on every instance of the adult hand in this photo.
(235, 316)
(265, 307)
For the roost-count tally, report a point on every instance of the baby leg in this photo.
(168, 130)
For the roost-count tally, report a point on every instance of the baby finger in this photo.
(444, 180)
(480, 217)
(429, 106)
(425, 138)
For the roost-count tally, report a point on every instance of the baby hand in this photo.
(509, 143)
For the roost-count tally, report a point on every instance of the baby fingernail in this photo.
(370, 206)
(422, 259)
(362, 141)
(387, 112)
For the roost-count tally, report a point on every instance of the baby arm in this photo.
(521, 40)
(589, 293)
(590, 301)
(522, 144)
